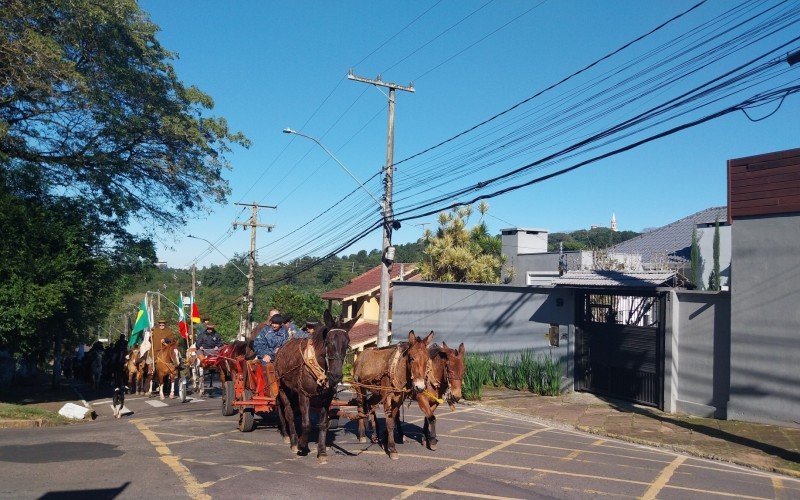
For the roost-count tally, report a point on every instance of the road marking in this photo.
(410, 455)
(562, 473)
(190, 483)
(777, 485)
(465, 427)
(424, 489)
(663, 478)
(156, 403)
(196, 400)
(449, 470)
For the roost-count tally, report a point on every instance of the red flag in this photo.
(183, 329)
(195, 313)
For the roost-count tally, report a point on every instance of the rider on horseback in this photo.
(269, 339)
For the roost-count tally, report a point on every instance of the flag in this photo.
(141, 324)
(195, 312)
(182, 327)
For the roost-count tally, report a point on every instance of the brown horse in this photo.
(308, 371)
(167, 364)
(442, 385)
(389, 374)
(136, 368)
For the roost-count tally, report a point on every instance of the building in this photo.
(764, 212)
(360, 297)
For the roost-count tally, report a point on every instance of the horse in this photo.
(308, 371)
(389, 373)
(136, 368)
(442, 385)
(194, 360)
(166, 365)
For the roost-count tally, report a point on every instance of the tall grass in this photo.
(538, 374)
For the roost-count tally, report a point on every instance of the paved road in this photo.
(190, 450)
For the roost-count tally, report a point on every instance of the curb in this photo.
(601, 432)
(21, 424)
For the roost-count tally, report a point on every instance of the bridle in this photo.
(327, 344)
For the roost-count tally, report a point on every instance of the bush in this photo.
(538, 374)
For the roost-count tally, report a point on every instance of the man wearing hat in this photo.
(162, 335)
(308, 328)
(289, 326)
(209, 340)
(269, 339)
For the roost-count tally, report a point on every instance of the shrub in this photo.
(477, 373)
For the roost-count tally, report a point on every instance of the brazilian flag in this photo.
(142, 323)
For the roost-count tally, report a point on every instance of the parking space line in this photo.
(777, 485)
(563, 473)
(449, 470)
(423, 489)
(594, 452)
(663, 478)
(409, 455)
(190, 483)
(713, 492)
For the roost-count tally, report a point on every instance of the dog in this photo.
(118, 401)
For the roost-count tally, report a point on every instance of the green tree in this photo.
(715, 278)
(458, 254)
(91, 101)
(95, 129)
(297, 304)
(696, 262)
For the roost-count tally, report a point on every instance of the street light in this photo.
(218, 250)
(288, 130)
(388, 249)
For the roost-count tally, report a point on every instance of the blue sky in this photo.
(271, 65)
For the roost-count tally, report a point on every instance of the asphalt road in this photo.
(190, 450)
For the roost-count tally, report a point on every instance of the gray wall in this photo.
(489, 319)
(765, 320)
(700, 347)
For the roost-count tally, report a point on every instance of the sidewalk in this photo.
(764, 447)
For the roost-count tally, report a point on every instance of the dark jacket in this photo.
(268, 341)
(208, 339)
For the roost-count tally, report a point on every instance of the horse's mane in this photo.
(318, 339)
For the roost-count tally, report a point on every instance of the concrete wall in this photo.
(700, 353)
(765, 320)
(489, 319)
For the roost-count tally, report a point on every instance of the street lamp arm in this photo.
(288, 130)
(220, 252)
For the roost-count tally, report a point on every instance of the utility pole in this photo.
(247, 324)
(388, 215)
(190, 323)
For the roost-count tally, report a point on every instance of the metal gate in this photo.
(619, 344)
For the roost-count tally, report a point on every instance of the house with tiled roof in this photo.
(361, 297)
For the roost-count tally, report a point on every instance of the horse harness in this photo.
(309, 357)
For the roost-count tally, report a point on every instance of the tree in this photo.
(95, 129)
(458, 254)
(90, 101)
(696, 262)
(715, 278)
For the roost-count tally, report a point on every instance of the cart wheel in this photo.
(246, 417)
(227, 399)
(182, 389)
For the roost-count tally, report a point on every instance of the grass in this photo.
(538, 374)
(27, 412)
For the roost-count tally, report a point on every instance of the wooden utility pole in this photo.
(388, 214)
(247, 324)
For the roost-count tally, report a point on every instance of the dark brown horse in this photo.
(442, 385)
(136, 369)
(388, 374)
(308, 371)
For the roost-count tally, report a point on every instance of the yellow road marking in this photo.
(449, 470)
(599, 442)
(562, 473)
(253, 442)
(777, 485)
(465, 427)
(663, 478)
(403, 486)
(717, 493)
(189, 481)
(410, 455)
(572, 455)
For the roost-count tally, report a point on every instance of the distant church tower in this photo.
(613, 222)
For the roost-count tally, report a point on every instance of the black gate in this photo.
(619, 344)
